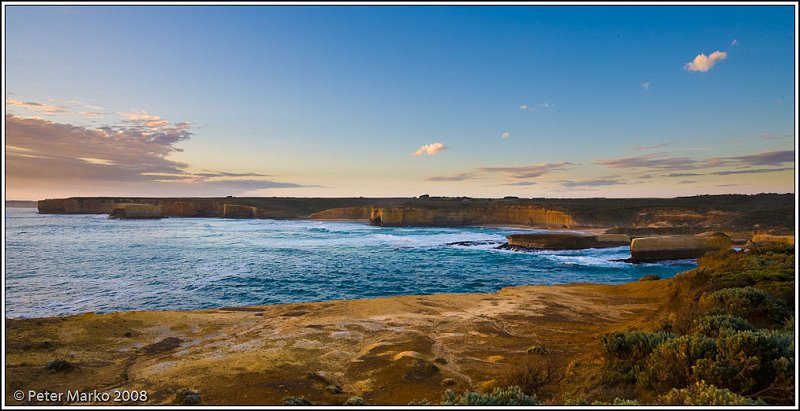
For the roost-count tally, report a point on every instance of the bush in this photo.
(617, 401)
(530, 375)
(296, 401)
(510, 396)
(625, 349)
(355, 401)
(701, 393)
(186, 396)
(752, 363)
(650, 277)
(538, 350)
(748, 302)
(420, 402)
(670, 364)
(711, 325)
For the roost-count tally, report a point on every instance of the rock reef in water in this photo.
(567, 241)
(677, 247)
(135, 211)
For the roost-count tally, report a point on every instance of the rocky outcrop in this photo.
(135, 211)
(531, 216)
(677, 247)
(567, 241)
(238, 211)
(768, 240)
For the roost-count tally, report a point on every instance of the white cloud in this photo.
(144, 119)
(645, 85)
(704, 63)
(505, 134)
(430, 149)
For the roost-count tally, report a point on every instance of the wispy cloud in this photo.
(645, 85)
(654, 146)
(144, 119)
(505, 134)
(734, 43)
(456, 177)
(649, 161)
(34, 106)
(430, 149)
(591, 183)
(522, 172)
(540, 106)
(513, 172)
(703, 63)
(771, 158)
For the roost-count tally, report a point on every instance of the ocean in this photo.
(71, 264)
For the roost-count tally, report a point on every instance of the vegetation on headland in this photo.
(727, 336)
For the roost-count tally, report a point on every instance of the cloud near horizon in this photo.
(46, 153)
(703, 63)
(34, 106)
(513, 172)
(430, 149)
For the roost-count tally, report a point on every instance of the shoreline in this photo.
(387, 350)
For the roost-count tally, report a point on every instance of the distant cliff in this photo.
(750, 214)
(532, 216)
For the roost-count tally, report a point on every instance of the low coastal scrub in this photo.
(729, 339)
(510, 396)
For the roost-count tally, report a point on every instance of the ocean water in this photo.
(69, 264)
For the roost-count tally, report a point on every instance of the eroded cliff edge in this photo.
(762, 213)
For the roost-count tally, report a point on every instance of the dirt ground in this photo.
(386, 350)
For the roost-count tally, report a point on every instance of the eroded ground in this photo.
(387, 350)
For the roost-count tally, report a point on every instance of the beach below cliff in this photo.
(386, 350)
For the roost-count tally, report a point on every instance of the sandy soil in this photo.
(387, 350)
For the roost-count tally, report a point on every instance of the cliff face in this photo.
(137, 211)
(455, 216)
(517, 215)
(345, 213)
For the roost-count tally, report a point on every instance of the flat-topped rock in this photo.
(677, 247)
(567, 241)
(767, 240)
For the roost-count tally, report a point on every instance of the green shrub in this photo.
(750, 303)
(355, 401)
(538, 350)
(420, 402)
(186, 396)
(624, 345)
(752, 363)
(711, 325)
(296, 401)
(670, 364)
(701, 393)
(650, 277)
(617, 401)
(510, 396)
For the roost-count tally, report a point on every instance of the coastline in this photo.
(387, 350)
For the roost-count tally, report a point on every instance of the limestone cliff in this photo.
(497, 215)
(135, 211)
(345, 213)
(238, 211)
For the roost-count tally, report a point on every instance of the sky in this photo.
(398, 101)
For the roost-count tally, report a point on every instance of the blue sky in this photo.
(334, 101)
